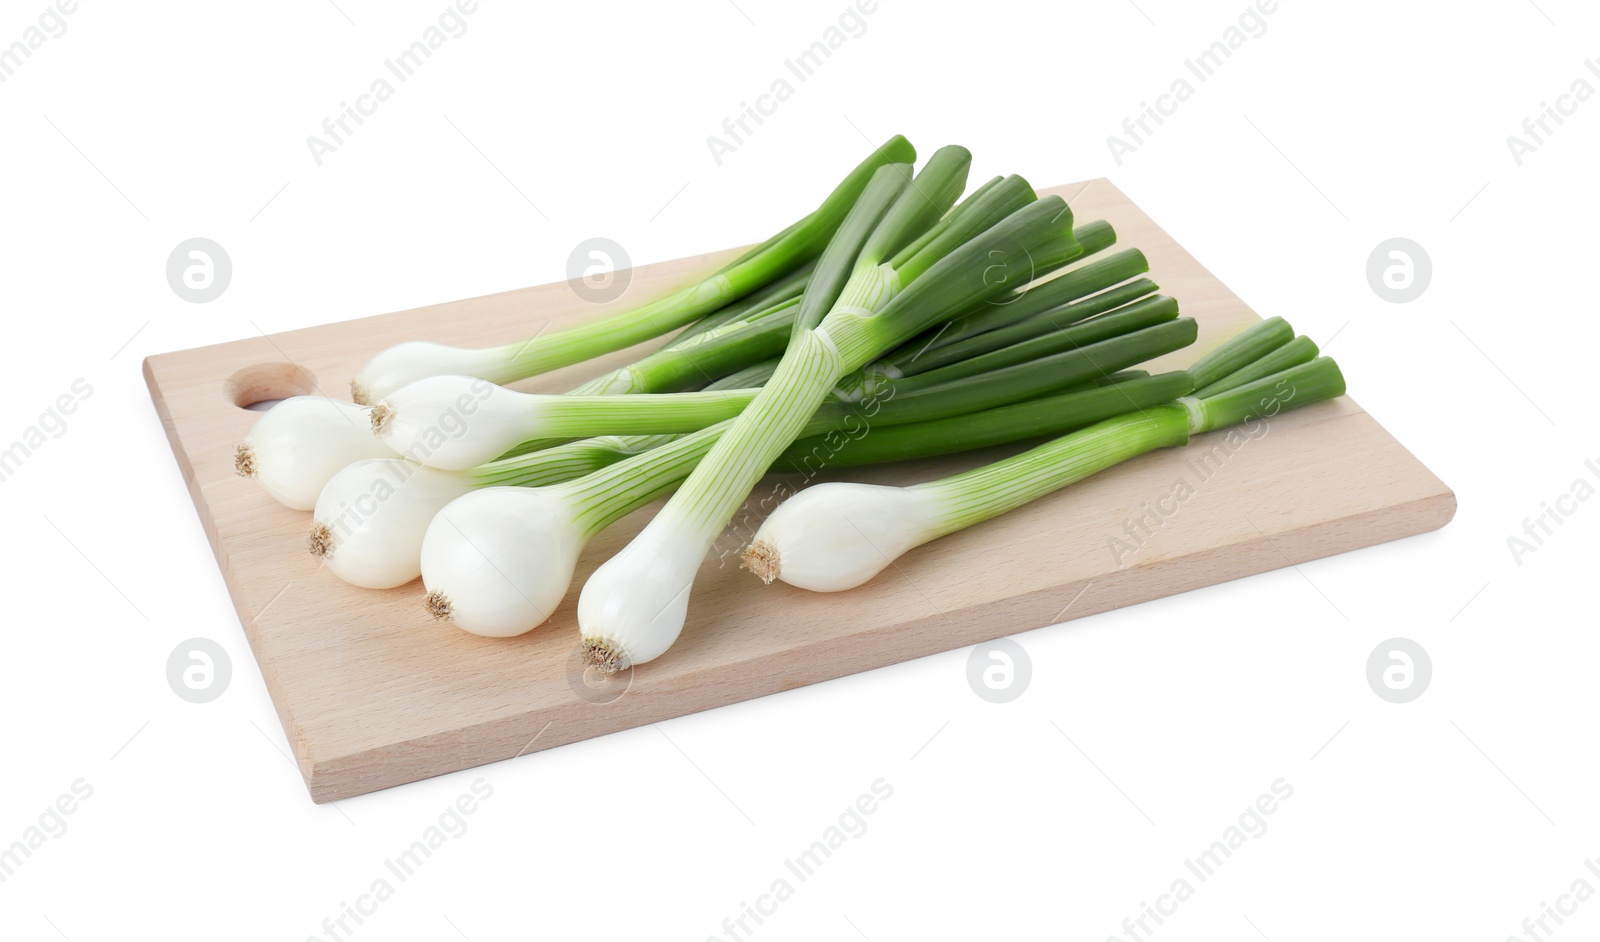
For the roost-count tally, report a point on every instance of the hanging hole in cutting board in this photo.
(259, 388)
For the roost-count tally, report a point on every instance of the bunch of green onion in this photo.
(897, 321)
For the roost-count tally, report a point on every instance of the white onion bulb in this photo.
(406, 363)
(298, 445)
(498, 561)
(633, 608)
(370, 519)
(456, 422)
(836, 536)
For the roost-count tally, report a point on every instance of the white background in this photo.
(1455, 816)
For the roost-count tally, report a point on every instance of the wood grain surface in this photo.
(372, 693)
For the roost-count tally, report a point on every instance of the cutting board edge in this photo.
(334, 778)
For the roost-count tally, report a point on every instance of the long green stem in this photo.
(607, 494)
(837, 265)
(561, 461)
(709, 356)
(1266, 397)
(994, 489)
(644, 414)
(873, 443)
(555, 464)
(977, 495)
(1051, 323)
(925, 353)
(750, 308)
(1053, 300)
(1242, 350)
(1078, 365)
(1295, 352)
(1148, 323)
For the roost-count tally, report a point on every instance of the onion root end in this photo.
(761, 558)
(244, 462)
(604, 656)
(321, 540)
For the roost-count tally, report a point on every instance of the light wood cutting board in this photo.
(373, 693)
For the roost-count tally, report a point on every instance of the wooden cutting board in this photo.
(373, 693)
